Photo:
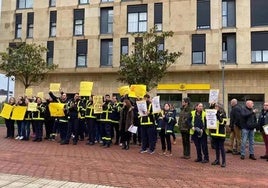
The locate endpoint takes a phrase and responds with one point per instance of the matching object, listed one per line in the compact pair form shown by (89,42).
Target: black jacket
(235,116)
(248,119)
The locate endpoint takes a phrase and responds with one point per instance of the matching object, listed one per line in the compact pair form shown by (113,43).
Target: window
(106,52)
(50,52)
(105,1)
(228,13)
(203,14)
(229,47)
(81,2)
(53,23)
(158,11)
(106,20)
(259,12)
(161,45)
(199,98)
(171,99)
(124,48)
(24,4)
(259,47)
(198,49)
(18,26)
(243,97)
(30,24)
(79,22)
(137,18)
(81,53)
(52,3)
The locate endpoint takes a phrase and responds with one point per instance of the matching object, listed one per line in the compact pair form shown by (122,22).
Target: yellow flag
(97,103)
(54,87)
(19,112)
(32,106)
(56,109)
(6,112)
(85,88)
(29,92)
(124,90)
(139,90)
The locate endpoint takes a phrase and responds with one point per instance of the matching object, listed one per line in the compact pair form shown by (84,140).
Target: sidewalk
(12,181)
(113,166)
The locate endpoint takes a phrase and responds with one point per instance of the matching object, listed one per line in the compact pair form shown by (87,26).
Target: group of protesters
(120,116)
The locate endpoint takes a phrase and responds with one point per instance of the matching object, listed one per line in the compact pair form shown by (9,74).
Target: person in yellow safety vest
(105,121)
(148,128)
(81,118)
(219,135)
(26,123)
(197,122)
(115,117)
(38,120)
(61,123)
(166,120)
(91,124)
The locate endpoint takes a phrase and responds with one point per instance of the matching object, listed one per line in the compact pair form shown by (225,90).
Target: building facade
(86,38)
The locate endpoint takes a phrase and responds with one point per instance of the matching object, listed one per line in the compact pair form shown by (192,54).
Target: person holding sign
(197,122)
(38,119)
(126,120)
(61,122)
(262,122)
(9,122)
(21,102)
(90,121)
(148,129)
(219,135)
(73,121)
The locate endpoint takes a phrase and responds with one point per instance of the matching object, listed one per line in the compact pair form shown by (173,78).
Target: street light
(223,62)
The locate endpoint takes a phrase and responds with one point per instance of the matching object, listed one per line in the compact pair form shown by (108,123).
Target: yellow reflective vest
(220,131)
(193,118)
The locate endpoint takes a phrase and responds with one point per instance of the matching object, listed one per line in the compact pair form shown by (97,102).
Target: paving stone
(93,166)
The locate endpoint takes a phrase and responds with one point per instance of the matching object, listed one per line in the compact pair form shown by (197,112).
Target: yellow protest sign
(56,109)
(41,95)
(124,90)
(6,112)
(54,87)
(132,94)
(19,112)
(139,90)
(32,106)
(29,92)
(85,88)
(97,103)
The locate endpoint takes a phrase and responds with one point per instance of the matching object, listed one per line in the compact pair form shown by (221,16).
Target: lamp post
(222,78)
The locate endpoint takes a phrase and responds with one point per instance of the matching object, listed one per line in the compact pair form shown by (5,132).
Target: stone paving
(12,181)
(113,166)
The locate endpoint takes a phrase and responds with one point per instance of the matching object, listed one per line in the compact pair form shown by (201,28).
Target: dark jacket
(184,114)
(126,118)
(235,116)
(262,120)
(248,119)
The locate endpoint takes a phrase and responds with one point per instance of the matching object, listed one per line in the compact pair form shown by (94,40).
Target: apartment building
(224,43)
